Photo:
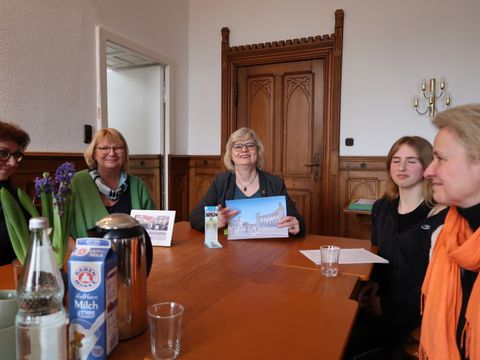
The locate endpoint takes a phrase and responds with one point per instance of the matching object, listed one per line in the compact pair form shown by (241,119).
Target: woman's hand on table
(292,223)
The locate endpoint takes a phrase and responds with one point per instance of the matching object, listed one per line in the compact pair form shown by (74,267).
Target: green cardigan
(88,207)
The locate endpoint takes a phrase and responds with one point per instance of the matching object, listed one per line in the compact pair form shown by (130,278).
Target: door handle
(314,165)
(315,161)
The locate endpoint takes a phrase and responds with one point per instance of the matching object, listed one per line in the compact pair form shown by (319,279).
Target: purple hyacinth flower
(43,184)
(63,177)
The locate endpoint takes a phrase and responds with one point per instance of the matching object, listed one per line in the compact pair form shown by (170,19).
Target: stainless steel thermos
(128,241)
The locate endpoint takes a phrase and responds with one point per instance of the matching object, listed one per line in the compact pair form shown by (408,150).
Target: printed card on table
(158,223)
(257,218)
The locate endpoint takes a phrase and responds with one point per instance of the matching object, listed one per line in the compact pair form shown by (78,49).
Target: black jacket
(223,188)
(407,251)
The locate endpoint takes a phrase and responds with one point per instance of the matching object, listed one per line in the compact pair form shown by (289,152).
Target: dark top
(404,240)
(472,215)
(7,255)
(223,188)
(238,194)
(124,206)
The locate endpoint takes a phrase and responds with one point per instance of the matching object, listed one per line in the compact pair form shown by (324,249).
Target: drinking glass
(165,320)
(329,260)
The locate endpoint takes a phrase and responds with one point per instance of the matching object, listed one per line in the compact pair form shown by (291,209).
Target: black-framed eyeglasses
(250,146)
(5,155)
(105,150)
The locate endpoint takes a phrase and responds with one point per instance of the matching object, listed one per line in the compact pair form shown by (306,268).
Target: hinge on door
(235,95)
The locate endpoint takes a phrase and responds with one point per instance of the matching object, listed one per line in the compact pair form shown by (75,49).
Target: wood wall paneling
(202,172)
(360,177)
(35,164)
(147,167)
(191,176)
(179,186)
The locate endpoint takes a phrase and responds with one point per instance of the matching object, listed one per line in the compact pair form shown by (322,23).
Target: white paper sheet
(348,256)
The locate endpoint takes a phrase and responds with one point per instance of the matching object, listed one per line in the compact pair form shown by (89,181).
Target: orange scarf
(457,246)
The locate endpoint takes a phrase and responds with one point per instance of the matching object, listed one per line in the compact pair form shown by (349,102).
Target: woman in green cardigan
(106,187)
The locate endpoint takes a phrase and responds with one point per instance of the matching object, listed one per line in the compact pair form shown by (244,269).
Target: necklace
(250,183)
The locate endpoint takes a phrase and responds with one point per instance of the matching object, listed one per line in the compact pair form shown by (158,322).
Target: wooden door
(283,104)
(289,92)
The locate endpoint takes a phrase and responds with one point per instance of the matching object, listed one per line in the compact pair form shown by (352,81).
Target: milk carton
(92,274)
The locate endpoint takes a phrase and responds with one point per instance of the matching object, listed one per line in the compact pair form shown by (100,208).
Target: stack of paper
(348,256)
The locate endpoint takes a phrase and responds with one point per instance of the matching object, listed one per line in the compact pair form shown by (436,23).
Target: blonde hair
(242,134)
(105,134)
(424,151)
(464,121)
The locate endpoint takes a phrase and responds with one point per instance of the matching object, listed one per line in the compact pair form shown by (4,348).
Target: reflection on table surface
(240,304)
(251,299)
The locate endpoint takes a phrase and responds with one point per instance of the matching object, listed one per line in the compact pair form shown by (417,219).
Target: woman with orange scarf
(451,289)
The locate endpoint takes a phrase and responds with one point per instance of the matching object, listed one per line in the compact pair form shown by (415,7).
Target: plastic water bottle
(41,318)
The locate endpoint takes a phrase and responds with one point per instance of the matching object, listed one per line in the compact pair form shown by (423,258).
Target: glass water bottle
(41,318)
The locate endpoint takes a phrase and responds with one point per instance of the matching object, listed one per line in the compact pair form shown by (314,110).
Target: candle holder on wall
(431,97)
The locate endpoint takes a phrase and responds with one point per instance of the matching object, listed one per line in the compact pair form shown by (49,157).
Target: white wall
(47,70)
(47,63)
(389,46)
(162,26)
(134,104)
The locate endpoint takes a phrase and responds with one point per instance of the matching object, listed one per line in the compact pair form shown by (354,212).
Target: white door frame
(102,37)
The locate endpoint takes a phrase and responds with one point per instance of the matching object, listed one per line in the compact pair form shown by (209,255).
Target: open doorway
(133,97)
(135,93)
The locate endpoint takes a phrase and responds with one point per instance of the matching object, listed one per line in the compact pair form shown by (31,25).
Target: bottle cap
(38,223)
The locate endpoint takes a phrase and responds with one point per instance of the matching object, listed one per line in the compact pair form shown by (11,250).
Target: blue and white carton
(92,274)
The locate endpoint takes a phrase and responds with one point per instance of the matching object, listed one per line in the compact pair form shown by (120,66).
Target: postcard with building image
(158,224)
(257,218)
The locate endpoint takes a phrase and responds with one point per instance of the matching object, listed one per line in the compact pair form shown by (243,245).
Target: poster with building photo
(257,218)
(158,223)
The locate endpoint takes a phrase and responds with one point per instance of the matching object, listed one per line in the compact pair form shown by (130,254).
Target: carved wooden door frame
(327,47)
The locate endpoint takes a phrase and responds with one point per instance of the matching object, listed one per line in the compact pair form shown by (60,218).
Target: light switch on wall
(87,134)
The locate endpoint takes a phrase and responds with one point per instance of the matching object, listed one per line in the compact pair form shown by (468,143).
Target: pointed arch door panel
(282,103)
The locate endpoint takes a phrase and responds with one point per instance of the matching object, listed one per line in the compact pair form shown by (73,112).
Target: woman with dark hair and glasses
(106,187)
(245,179)
(13,142)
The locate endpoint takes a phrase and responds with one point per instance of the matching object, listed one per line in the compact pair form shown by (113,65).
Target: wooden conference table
(251,299)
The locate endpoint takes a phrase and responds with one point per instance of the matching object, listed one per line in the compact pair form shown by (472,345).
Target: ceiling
(119,57)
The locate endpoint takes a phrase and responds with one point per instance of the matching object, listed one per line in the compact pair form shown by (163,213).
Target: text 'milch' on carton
(92,285)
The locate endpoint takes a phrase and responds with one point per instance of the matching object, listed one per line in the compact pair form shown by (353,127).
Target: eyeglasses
(5,155)
(239,146)
(105,150)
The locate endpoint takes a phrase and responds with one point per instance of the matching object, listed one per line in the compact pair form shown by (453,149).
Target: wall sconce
(432,97)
